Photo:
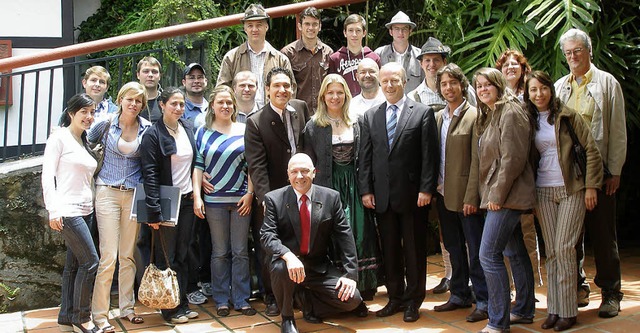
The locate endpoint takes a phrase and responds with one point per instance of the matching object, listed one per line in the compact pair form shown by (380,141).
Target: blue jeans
(229,256)
(503,235)
(80,269)
(461,236)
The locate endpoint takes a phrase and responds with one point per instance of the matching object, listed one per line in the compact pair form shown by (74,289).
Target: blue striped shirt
(222,157)
(118,168)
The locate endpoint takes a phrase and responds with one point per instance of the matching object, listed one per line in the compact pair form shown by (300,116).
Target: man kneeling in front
(300,222)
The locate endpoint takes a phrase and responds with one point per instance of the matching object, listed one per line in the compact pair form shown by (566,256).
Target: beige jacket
(461,160)
(608,125)
(505,174)
(593,177)
(238,59)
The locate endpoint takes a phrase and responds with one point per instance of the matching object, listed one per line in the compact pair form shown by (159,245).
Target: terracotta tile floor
(44,320)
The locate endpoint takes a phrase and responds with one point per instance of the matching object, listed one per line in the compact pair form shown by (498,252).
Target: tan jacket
(608,125)
(461,160)
(593,177)
(238,59)
(505,174)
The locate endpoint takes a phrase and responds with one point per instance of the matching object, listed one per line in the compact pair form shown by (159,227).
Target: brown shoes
(550,321)
(564,324)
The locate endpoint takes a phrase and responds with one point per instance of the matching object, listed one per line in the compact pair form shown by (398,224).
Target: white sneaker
(179,319)
(191,314)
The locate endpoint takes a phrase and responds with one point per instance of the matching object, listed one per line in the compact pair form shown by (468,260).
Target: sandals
(223,311)
(133,318)
(108,329)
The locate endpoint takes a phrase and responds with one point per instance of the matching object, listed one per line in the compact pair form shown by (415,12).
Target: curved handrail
(63,52)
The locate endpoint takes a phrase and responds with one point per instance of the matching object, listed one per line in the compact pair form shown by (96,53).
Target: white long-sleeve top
(67,175)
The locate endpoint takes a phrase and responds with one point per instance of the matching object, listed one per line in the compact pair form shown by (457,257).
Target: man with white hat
(257,55)
(401,51)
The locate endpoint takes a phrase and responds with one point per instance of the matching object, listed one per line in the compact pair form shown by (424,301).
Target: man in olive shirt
(309,58)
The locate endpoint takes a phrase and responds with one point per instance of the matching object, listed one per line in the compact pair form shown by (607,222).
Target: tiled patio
(44,320)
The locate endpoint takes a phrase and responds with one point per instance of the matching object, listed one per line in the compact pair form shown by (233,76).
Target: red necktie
(305,225)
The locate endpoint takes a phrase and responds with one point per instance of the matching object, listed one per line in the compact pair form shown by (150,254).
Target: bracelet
(249,192)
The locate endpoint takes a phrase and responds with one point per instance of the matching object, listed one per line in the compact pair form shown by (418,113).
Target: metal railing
(42,93)
(39,94)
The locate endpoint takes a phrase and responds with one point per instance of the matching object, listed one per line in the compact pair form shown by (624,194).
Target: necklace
(174,130)
(336,122)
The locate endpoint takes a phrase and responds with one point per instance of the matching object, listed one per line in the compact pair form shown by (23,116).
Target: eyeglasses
(575,52)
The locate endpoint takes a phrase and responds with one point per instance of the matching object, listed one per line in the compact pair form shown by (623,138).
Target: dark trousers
(459,234)
(199,255)
(404,252)
(177,240)
(320,291)
(601,225)
(262,264)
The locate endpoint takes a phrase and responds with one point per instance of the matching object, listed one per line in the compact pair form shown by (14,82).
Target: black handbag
(578,152)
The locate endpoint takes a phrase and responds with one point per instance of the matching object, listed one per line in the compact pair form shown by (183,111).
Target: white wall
(29,102)
(29,18)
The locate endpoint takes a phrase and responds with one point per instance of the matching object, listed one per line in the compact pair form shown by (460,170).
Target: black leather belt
(187,195)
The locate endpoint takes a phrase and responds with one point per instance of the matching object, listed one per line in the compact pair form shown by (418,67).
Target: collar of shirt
(299,46)
(277,110)
(585,79)
(299,195)
(399,104)
(264,49)
(456,112)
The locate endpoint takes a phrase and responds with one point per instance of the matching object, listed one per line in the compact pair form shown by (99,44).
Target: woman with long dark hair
(563,196)
(120,173)
(67,187)
(507,188)
(168,157)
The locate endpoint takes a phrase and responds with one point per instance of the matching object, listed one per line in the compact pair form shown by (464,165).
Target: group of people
(333,189)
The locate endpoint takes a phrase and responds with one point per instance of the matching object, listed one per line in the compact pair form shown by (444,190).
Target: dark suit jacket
(267,147)
(318,146)
(396,174)
(461,162)
(281,232)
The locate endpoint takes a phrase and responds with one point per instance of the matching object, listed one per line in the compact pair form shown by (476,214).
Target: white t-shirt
(67,176)
(549,172)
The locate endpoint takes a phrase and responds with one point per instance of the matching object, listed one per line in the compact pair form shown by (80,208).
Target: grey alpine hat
(434,46)
(255,12)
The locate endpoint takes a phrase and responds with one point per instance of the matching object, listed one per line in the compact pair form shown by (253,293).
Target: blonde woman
(120,173)
(332,140)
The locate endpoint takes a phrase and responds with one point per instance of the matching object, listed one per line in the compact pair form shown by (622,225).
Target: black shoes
(309,317)
(477,315)
(361,311)
(272,309)
(450,306)
(443,287)
(388,310)
(288,326)
(411,313)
